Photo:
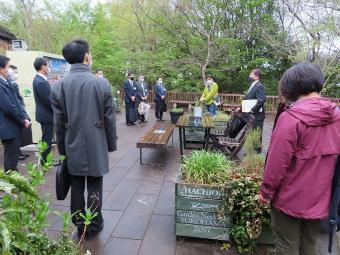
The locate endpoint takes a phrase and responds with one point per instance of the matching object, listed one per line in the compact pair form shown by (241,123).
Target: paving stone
(122,195)
(190,246)
(111,219)
(166,201)
(136,217)
(149,187)
(138,172)
(160,237)
(114,177)
(120,246)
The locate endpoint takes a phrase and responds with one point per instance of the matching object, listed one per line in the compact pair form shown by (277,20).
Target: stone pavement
(138,205)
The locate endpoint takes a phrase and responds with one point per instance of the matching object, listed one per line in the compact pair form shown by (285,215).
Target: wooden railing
(230,99)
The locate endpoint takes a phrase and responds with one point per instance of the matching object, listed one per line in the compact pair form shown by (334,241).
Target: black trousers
(94,199)
(127,112)
(47,135)
(158,111)
(258,124)
(11,153)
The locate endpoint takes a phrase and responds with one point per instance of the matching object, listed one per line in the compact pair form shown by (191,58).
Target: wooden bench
(156,137)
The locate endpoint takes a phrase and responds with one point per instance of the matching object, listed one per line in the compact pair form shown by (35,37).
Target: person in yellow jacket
(209,94)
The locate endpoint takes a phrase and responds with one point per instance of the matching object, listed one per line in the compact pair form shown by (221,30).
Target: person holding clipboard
(254,101)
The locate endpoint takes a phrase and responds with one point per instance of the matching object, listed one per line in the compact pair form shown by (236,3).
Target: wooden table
(156,137)
(186,121)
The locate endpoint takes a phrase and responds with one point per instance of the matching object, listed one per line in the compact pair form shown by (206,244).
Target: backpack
(334,211)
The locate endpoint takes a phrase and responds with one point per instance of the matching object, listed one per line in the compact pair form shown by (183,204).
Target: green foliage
(221,116)
(253,141)
(206,167)
(23,214)
(175,109)
(249,215)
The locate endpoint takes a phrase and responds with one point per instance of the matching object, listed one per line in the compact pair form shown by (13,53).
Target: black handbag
(133,113)
(164,107)
(62,175)
(62,181)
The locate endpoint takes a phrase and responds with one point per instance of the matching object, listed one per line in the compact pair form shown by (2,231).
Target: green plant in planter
(177,110)
(252,142)
(23,214)
(206,167)
(221,116)
(249,216)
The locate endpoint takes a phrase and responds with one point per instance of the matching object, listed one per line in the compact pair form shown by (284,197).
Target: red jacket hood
(315,111)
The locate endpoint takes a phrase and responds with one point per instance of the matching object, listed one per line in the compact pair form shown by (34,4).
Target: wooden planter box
(200,211)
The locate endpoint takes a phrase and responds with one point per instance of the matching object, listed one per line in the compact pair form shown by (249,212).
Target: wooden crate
(201,211)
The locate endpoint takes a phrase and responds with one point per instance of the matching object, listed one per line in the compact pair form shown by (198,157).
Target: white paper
(159,131)
(247,105)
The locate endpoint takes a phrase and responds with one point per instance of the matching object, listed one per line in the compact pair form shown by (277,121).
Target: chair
(234,136)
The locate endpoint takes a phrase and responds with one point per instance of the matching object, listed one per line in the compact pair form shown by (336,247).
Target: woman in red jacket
(301,160)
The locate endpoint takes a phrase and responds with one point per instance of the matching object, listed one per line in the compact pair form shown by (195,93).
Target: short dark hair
(4,61)
(74,51)
(301,79)
(257,72)
(210,76)
(99,70)
(39,62)
(13,67)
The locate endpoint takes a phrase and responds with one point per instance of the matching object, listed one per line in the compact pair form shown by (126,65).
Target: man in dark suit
(257,91)
(43,108)
(130,92)
(160,94)
(142,95)
(12,118)
(26,136)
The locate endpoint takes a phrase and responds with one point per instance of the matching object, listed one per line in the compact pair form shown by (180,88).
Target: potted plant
(251,219)
(175,113)
(220,121)
(201,193)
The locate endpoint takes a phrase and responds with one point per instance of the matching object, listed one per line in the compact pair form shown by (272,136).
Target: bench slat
(154,140)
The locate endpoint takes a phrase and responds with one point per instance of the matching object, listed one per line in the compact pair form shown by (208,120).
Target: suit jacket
(43,108)
(129,91)
(142,90)
(159,91)
(12,115)
(84,120)
(257,92)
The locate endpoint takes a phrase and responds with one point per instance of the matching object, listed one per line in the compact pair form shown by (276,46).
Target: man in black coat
(12,118)
(142,95)
(26,136)
(85,124)
(257,91)
(130,92)
(43,108)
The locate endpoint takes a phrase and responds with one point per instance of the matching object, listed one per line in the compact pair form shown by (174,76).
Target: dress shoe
(133,124)
(91,233)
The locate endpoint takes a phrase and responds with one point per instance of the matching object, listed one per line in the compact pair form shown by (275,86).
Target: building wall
(4,44)
(24,61)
